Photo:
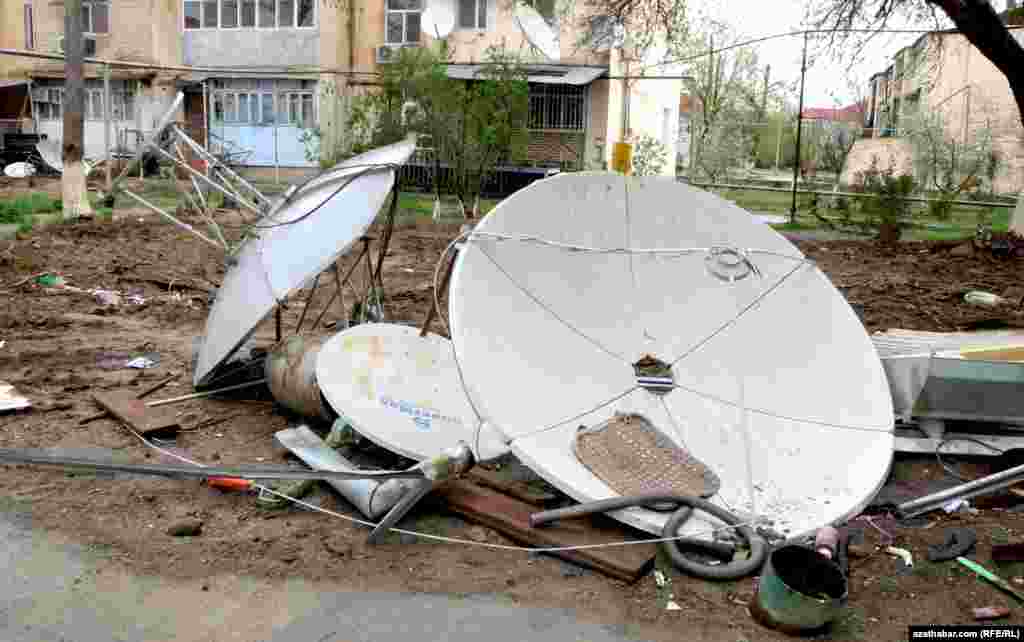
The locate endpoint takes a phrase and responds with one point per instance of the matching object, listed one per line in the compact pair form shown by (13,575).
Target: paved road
(56,591)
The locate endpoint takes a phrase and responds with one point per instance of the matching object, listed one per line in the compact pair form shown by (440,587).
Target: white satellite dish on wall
(438,19)
(538,32)
(773,384)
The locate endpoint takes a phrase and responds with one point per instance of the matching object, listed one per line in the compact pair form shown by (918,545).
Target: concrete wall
(653,111)
(252,47)
(894,150)
(12,36)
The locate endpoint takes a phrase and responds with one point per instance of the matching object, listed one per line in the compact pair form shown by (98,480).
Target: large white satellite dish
(538,32)
(438,19)
(401,391)
(297,240)
(547,334)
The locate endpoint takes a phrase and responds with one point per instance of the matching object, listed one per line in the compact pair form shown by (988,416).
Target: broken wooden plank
(125,406)
(511,517)
(517,489)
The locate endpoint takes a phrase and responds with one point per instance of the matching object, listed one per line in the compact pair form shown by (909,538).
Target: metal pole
(799,128)
(277,117)
(981,486)
(106,120)
(206,121)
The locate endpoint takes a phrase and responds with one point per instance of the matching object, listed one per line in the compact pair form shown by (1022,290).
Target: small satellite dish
(401,391)
(19,170)
(693,315)
(438,19)
(537,31)
(297,240)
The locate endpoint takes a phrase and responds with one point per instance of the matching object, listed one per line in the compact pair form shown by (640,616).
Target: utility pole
(73,186)
(107,104)
(799,128)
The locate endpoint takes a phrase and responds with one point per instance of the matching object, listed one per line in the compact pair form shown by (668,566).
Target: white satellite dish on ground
(774,384)
(538,32)
(438,19)
(20,170)
(49,151)
(297,240)
(401,391)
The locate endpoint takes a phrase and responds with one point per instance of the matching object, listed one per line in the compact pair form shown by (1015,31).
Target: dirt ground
(57,345)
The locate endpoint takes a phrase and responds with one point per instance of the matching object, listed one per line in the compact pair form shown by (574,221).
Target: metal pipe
(174,220)
(799,129)
(210,158)
(208,181)
(150,141)
(41,457)
(982,486)
(915,199)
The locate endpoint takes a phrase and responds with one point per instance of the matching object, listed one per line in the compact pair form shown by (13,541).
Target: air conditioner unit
(88,46)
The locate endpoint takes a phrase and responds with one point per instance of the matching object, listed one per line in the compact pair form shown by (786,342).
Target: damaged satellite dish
(537,31)
(297,240)
(438,19)
(747,360)
(401,391)
(49,151)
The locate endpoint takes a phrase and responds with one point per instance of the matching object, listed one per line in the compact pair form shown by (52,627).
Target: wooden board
(511,517)
(124,405)
(517,489)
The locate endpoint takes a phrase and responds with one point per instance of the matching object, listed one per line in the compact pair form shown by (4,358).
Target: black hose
(728,571)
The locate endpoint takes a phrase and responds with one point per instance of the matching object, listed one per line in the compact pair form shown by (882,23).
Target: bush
(886,208)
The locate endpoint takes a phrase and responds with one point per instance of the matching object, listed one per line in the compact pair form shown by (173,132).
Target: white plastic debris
(659,578)
(955,505)
(987,299)
(901,553)
(672,606)
(141,363)
(107,297)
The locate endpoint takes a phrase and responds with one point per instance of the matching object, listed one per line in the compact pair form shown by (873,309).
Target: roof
(540,74)
(850,113)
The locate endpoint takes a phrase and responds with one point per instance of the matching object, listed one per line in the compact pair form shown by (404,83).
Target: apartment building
(279,68)
(942,73)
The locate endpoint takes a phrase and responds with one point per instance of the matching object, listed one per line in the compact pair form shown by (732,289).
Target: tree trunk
(73,185)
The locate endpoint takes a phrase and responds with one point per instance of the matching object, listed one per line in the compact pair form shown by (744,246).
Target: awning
(4,84)
(540,74)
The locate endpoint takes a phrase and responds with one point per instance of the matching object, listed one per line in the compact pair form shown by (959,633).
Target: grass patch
(413,206)
(1000,535)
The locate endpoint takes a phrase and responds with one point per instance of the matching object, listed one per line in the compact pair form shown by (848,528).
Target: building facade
(280,69)
(944,74)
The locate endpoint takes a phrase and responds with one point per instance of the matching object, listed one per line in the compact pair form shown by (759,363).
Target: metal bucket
(799,591)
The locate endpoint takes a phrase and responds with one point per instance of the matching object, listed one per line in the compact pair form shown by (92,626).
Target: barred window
(557,107)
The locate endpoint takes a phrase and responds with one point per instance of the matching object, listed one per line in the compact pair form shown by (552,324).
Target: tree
(729,90)
(975,19)
(473,125)
(947,164)
(73,185)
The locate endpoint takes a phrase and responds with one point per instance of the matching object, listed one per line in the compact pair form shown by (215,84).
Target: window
(192,14)
(210,14)
(267,14)
(248,13)
(472,14)
(304,11)
(47,103)
(296,108)
(30,38)
(229,14)
(232,14)
(557,107)
(96,16)
(402,22)
(243,107)
(286,13)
